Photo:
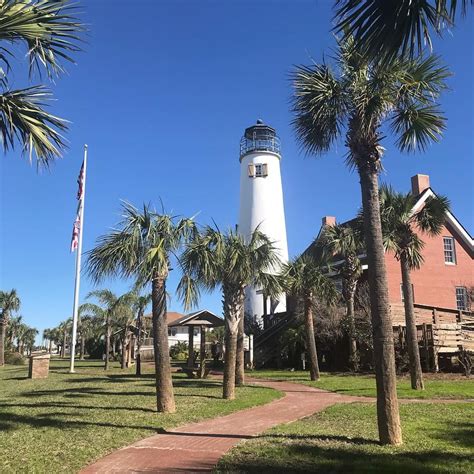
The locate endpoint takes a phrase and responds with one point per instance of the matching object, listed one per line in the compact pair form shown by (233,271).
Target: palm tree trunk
(416,373)
(123,363)
(3,329)
(240,361)
(233,307)
(164,384)
(50,348)
(83,344)
(230,358)
(107,342)
(310,339)
(388,418)
(353,353)
(63,348)
(138,370)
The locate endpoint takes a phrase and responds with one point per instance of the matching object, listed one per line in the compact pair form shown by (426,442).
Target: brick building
(447,275)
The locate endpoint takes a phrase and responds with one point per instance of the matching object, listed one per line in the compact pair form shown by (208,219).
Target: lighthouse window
(261,170)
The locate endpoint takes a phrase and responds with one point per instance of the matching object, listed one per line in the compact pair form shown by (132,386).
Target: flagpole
(78,266)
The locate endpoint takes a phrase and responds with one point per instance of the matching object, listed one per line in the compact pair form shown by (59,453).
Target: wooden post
(190,347)
(202,353)
(425,347)
(435,316)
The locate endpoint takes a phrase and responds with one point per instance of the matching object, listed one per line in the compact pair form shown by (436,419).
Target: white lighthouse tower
(261,204)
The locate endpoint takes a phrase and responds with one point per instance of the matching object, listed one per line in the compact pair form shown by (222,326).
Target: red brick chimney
(419,183)
(329,220)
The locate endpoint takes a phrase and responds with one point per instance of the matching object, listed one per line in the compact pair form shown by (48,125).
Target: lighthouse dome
(259,137)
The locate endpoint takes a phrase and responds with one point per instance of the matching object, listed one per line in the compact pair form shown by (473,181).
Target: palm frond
(24,119)
(417,126)
(188,292)
(319,105)
(384,29)
(50,30)
(432,216)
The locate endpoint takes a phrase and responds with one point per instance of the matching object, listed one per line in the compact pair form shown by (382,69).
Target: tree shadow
(81,391)
(301,457)
(325,438)
(10,422)
(60,404)
(457,433)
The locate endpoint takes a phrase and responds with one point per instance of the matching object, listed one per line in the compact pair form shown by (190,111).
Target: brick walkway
(197,447)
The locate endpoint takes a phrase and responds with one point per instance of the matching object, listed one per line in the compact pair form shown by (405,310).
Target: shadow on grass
(10,422)
(300,457)
(324,438)
(458,434)
(59,404)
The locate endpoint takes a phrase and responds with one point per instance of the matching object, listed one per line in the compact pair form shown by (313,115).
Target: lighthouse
(261,205)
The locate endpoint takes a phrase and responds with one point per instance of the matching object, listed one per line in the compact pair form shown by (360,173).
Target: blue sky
(162,94)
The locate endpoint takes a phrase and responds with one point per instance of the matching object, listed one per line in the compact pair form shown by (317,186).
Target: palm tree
(64,330)
(123,322)
(140,304)
(9,302)
(29,338)
(12,331)
(109,310)
(400,222)
(357,100)
(304,278)
(346,242)
(142,247)
(387,28)
(228,261)
(49,32)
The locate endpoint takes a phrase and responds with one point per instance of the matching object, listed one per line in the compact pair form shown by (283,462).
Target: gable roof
(454,223)
(198,318)
(171,316)
(459,229)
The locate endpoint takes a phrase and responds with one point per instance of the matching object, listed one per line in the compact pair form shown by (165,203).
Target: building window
(461,298)
(412,292)
(172,332)
(449,252)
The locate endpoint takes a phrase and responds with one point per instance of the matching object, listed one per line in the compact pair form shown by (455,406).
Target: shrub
(14,358)
(179,351)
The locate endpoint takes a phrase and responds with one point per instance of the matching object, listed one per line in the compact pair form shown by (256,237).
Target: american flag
(75,232)
(77,223)
(80,183)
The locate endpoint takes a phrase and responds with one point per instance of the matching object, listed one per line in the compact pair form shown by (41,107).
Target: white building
(261,205)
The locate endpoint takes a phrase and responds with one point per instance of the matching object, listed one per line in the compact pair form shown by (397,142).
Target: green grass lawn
(66,421)
(447,386)
(438,438)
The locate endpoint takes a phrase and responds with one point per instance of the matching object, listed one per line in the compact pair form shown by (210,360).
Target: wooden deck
(442,332)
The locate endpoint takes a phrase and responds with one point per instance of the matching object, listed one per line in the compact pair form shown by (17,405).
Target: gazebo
(203,319)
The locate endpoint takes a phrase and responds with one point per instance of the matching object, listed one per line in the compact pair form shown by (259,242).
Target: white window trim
(453,250)
(464,294)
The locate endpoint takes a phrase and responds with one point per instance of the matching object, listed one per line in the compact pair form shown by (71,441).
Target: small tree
(228,261)
(346,241)
(140,304)
(400,222)
(9,302)
(304,278)
(110,309)
(142,248)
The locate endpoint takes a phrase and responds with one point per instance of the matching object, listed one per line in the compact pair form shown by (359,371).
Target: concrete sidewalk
(197,447)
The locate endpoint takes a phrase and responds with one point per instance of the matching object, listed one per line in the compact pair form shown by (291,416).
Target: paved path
(197,447)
